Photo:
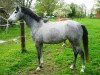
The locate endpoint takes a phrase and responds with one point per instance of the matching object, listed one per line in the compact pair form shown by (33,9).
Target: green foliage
(57,59)
(78,11)
(48,6)
(62,11)
(73,13)
(7,5)
(70,10)
(26,3)
(98,6)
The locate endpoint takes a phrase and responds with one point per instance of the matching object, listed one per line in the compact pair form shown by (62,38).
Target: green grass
(57,59)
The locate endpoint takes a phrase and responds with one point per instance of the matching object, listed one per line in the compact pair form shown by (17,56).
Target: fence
(22,35)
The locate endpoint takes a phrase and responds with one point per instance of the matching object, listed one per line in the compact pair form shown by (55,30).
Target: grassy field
(57,59)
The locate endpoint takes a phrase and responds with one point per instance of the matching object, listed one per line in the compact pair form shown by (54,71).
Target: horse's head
(16,15)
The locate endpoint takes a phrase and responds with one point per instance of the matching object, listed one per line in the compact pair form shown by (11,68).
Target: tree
(95,11)
(80,11)
(5,8)
(26,3)
(62,11)
(48,6)
(3,12)
(3,16)
(98,6)
(73,13)
(7,5)
(83,10)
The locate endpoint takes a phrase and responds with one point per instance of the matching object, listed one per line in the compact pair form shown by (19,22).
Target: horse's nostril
(9,21)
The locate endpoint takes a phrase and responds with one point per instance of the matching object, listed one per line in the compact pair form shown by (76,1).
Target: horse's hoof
(82,70)
(63,45)
(72,67)
(38,69)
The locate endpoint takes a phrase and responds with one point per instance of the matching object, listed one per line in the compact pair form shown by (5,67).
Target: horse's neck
(33,24)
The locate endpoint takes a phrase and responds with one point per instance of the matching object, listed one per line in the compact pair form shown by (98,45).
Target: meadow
(57,59)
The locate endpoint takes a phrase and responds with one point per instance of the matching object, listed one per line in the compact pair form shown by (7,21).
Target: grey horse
(53,33)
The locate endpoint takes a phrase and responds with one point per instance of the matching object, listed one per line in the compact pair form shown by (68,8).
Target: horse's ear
(17,8)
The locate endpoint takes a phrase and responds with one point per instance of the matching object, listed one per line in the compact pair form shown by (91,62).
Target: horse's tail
(85,42)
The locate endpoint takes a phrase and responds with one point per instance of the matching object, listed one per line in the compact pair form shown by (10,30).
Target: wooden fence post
(23,49)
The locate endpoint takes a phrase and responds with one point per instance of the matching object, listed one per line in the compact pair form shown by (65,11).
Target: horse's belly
(54,38)
(53,41)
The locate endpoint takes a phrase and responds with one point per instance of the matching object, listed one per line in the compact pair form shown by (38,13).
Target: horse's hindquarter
(75,31)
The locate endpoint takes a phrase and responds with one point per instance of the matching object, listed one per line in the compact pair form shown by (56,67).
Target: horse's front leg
(39,47)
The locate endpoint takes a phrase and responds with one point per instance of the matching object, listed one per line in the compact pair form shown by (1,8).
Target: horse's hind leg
(82,58)
(75,57)
(40,58)
(77,49)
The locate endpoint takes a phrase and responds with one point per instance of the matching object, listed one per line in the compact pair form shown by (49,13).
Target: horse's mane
(30,13)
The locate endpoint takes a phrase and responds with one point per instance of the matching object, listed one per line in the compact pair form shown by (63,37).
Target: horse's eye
(16,12)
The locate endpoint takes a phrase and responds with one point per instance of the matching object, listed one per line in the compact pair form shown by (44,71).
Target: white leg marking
(72,66)
(41,60)
(83,68)
(38,69)
(63,44)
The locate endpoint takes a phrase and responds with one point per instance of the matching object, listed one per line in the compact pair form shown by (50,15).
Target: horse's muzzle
(9,21)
